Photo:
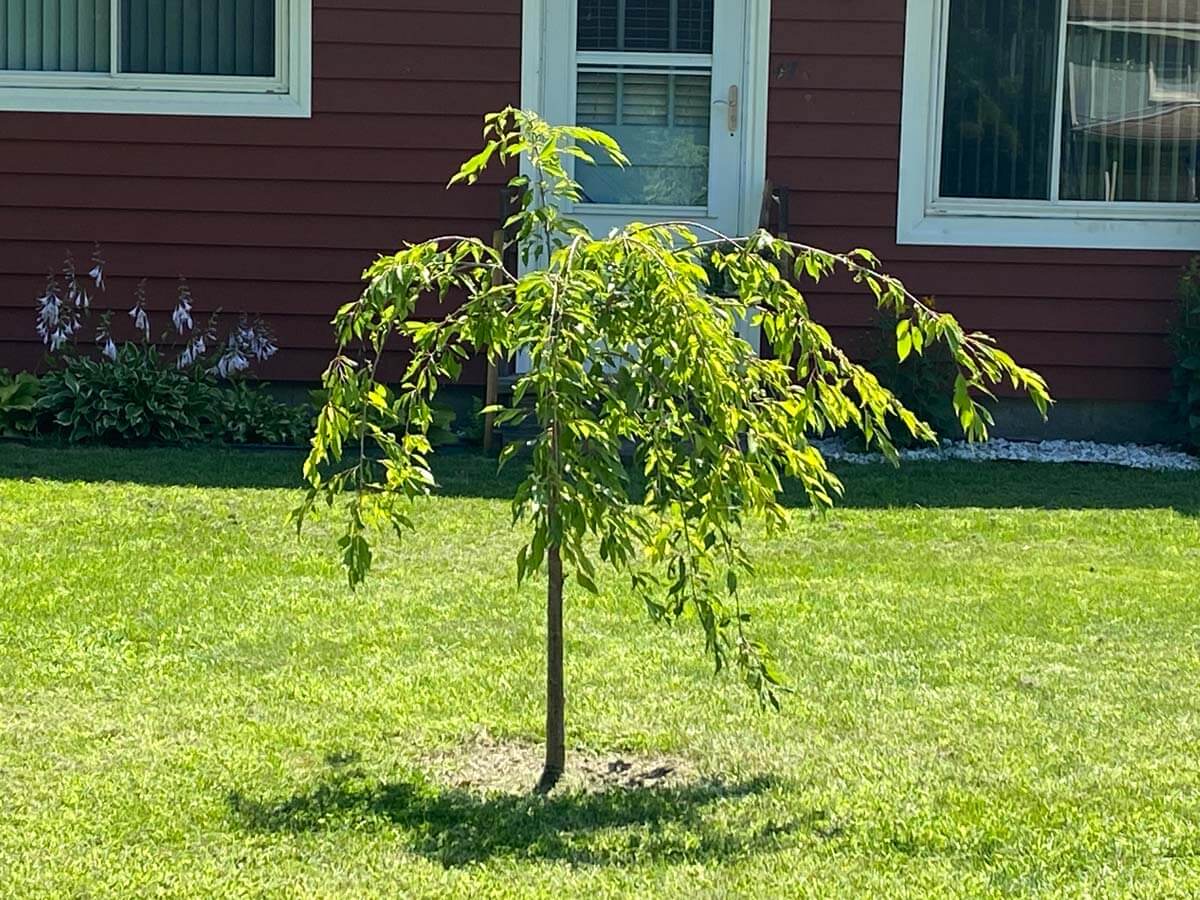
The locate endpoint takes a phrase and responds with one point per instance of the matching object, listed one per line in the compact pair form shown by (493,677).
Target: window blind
(645,25)
(662,122)
(55,35)
(198,37)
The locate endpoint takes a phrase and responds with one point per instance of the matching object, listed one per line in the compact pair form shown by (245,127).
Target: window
(218,57)
(1072,123)
(644,75)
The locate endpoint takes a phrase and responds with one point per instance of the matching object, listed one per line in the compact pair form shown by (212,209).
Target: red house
(1030,163)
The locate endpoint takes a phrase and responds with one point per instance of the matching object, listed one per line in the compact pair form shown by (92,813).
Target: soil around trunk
(484,764)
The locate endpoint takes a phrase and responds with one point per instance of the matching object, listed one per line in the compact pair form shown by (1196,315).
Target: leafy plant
(923,382)
(135,397)
(627,345)
(248,414)
(18,403)
(127,389)
(1185,341)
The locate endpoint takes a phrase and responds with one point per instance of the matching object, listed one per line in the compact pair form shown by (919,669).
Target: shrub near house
(189,386)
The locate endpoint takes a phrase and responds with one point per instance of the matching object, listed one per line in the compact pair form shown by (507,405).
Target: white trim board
(286,96)
(923,218)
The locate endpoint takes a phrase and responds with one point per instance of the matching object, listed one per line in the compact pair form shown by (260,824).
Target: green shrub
(247,414)
(923,382)
(1185,341)
(18,403)
(137,396)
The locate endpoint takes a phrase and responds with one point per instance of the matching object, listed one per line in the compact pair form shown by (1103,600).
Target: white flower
(141,320)
(192,352)
(109,350)
(97,276)
(182,316)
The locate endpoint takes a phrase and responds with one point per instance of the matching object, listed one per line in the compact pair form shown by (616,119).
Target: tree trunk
(556,736)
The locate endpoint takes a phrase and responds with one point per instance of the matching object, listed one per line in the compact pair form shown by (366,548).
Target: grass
(996,672)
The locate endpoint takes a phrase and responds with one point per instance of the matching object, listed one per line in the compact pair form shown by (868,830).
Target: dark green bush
(136,397)
(924,382)
(247,414)
(1185,341)
(18,403)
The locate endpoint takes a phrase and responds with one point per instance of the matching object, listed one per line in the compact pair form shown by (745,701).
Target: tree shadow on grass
(1012,485)
(468,473)
(460,471)
(456,827)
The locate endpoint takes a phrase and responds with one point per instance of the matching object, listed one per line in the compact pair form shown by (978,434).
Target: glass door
(663,77)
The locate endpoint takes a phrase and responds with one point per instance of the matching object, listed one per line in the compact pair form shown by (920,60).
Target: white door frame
(752,171)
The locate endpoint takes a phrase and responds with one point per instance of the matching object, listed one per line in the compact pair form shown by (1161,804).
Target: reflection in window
(999,110)
(1130,92)
(661,121)
(1132,101)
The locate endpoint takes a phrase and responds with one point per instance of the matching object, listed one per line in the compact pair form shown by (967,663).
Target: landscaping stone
(1132,456)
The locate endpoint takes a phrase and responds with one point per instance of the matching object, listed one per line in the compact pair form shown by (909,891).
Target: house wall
(280,216)
(277,216)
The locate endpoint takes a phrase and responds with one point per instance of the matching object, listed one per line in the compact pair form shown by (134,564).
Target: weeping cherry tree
(658,432)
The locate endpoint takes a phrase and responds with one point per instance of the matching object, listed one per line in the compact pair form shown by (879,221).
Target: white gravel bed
(1131,456)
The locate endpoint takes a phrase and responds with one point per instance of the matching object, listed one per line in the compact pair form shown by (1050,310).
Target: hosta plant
(133,398)
(248,414)
(18,403)
(112,380)
(625,345)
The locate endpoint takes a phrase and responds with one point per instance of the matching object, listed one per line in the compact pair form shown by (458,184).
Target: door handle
(732,111)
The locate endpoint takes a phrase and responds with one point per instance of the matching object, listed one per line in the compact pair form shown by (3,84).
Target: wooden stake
(491,393)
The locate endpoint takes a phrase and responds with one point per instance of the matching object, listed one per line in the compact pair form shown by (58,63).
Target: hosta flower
(250,342)
(182,315)
(97,271)
(104,340)
(232,362)
(194,350)
(56,321)
(141,318)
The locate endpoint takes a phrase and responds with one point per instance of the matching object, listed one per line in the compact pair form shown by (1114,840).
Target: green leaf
(904,339)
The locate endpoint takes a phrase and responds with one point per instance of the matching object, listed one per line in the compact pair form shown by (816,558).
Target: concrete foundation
(1078,420)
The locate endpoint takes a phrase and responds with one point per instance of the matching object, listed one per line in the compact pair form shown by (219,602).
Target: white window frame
(287,95)
(925,218)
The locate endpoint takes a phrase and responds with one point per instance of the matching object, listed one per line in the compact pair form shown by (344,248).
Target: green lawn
(997,674)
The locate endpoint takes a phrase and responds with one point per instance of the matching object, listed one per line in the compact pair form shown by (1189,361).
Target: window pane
(1132,105)
(54,35)
(685,26)
(661,120)
(1002,60)
(198,37)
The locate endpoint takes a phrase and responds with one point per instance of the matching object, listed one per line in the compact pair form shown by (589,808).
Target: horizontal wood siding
(274,216)
(1093,322)
(280,216)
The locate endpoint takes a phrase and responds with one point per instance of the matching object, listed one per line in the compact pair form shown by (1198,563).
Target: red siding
(280,216)
(277,216)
